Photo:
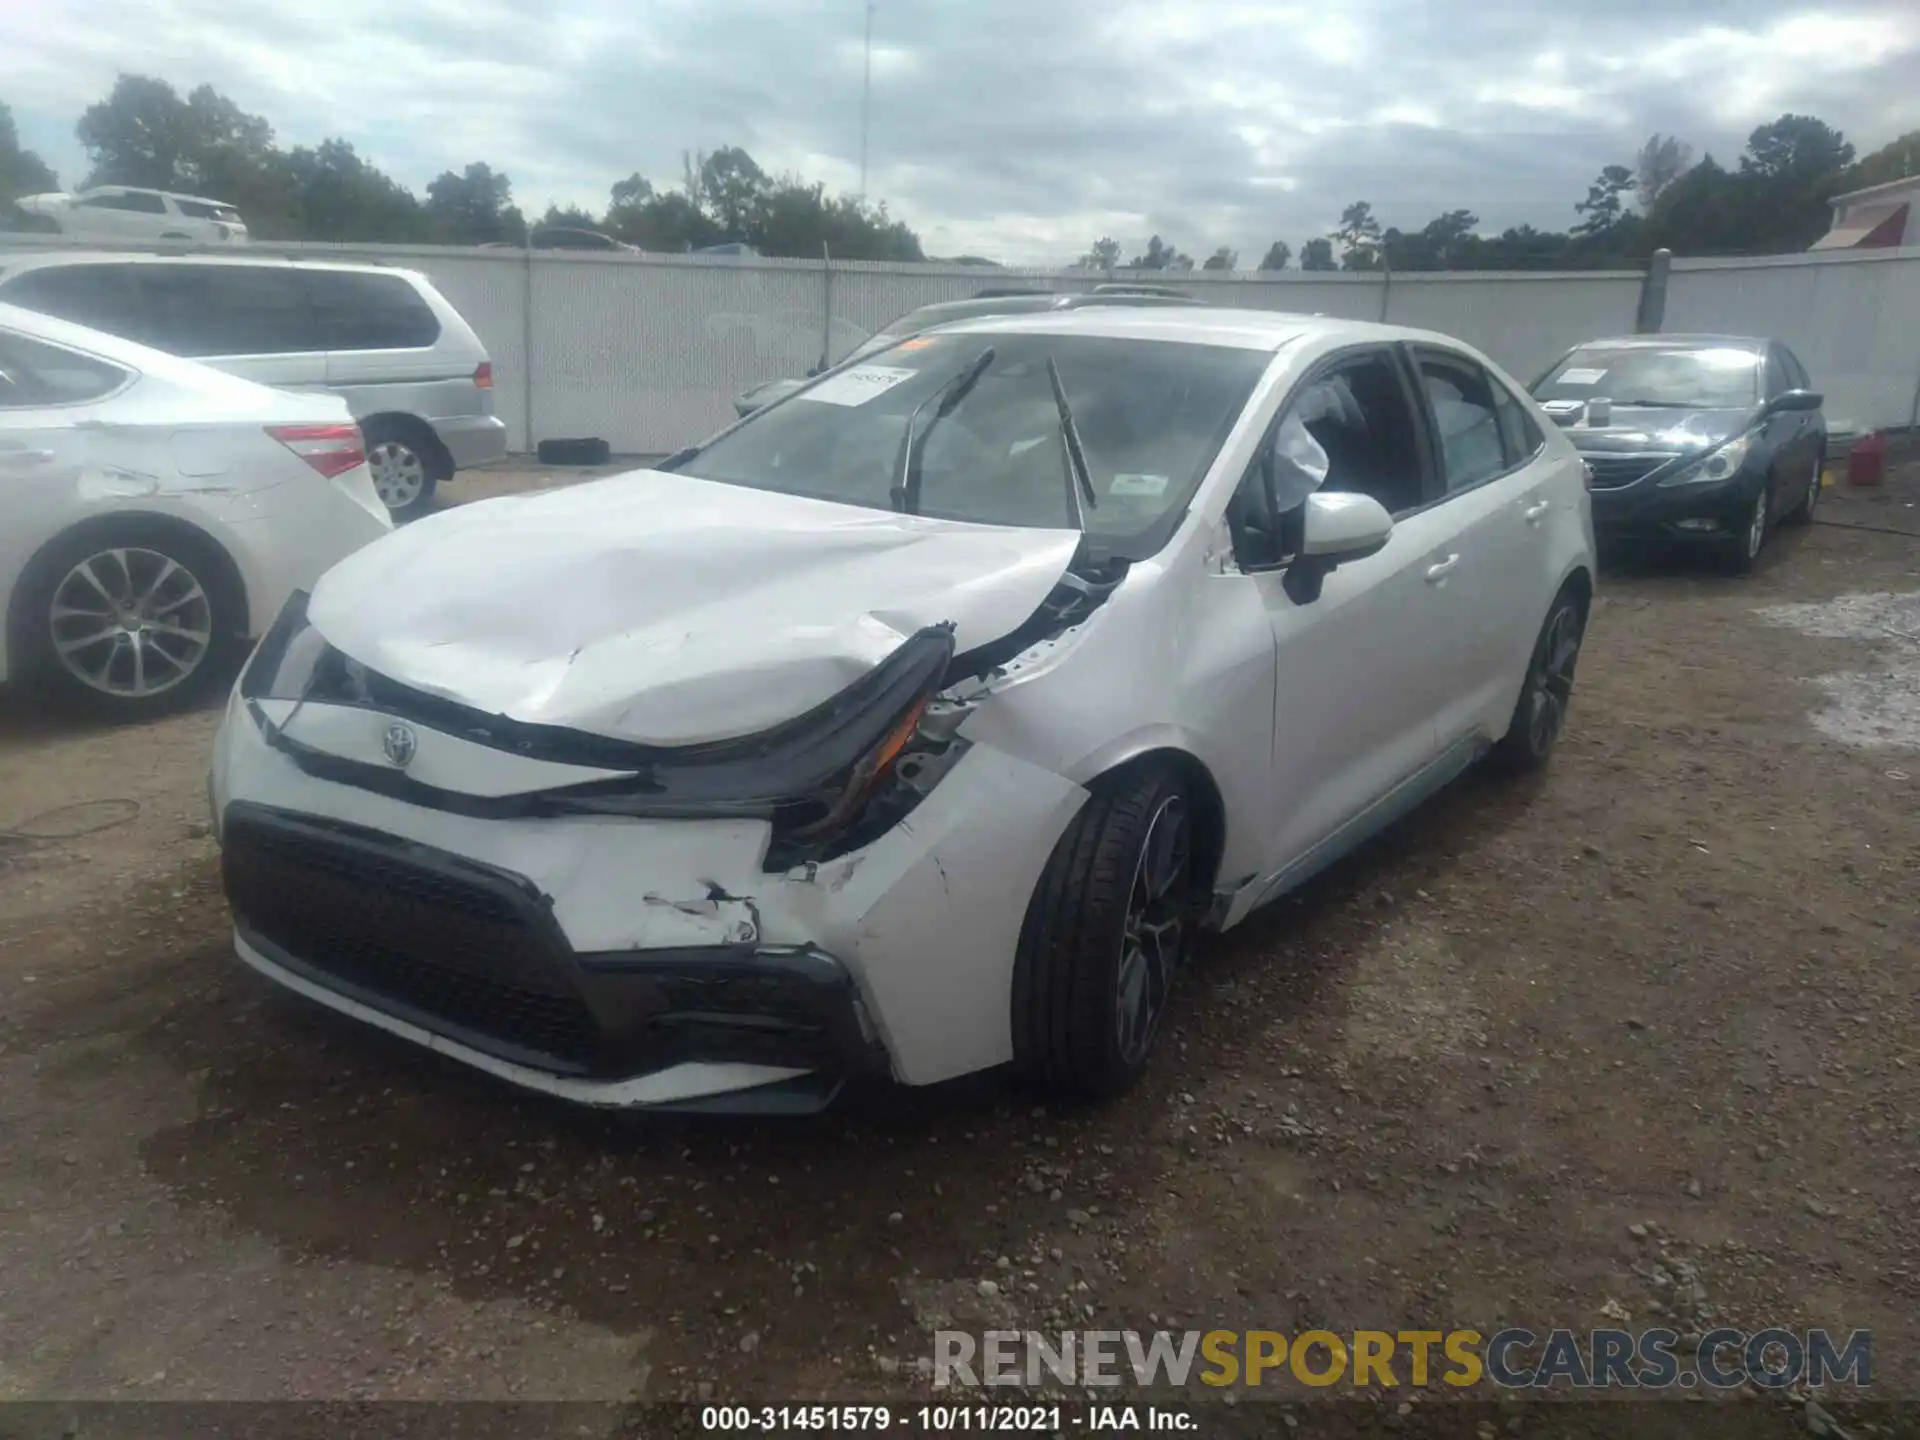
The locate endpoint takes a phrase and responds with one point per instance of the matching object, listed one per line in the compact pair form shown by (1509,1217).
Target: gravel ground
(1639,1039)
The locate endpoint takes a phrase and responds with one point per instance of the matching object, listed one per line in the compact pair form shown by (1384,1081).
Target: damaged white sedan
(913,725)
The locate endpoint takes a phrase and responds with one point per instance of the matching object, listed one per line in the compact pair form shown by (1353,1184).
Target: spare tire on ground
(573,452)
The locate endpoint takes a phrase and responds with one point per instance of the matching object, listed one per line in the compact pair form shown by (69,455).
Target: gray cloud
(1019,130)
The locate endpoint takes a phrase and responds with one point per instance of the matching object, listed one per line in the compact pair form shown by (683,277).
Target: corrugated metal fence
(648,351)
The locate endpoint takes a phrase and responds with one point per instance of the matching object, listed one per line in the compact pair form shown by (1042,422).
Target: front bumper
(472,439)
(636,962)
(1646,511)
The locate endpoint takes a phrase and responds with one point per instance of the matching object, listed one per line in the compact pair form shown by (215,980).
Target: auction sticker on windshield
(1581,377)
(858,385)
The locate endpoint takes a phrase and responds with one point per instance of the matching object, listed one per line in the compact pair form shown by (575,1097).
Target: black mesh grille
(452,949)
(1612,471)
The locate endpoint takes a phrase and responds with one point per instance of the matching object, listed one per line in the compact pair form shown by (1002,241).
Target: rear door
(46,392)
(1496,503)
(249,320)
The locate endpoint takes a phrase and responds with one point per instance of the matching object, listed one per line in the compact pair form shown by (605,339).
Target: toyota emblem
(399,742)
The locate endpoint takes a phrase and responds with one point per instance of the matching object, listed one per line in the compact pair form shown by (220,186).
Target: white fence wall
(648,351)
(1852,318)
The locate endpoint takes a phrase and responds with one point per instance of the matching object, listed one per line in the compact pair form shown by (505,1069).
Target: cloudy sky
(1019,129)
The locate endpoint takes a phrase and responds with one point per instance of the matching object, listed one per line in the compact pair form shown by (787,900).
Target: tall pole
(866,99)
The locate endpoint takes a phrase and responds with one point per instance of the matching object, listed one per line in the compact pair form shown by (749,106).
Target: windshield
(1151,416)
(1701,378)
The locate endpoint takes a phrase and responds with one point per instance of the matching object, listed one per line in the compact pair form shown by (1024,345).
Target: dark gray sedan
(1707,439)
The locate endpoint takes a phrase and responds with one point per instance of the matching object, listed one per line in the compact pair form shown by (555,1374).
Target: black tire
(163,601)
(407,467)
(1540,714)
(1802,513)
(573,452)
(1740,555)
(1108,923)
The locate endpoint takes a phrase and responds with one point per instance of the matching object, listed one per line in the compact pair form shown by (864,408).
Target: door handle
(1440,570)
(1534,514)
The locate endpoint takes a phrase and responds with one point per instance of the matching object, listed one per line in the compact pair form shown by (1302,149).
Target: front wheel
(1541,712)
(1104,936)
(1802,512)
(1742,553)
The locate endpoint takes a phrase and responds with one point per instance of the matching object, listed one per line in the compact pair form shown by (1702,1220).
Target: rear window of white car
(34,373)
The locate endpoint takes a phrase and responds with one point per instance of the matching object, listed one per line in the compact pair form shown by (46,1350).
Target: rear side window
(99,296)
(144,204)
(34,373)
(357,311)
(1461,398)
(201,210)
(199,310)
(1519,432)
(1797,376)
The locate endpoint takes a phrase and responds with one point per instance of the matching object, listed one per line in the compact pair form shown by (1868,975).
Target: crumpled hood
(666,610)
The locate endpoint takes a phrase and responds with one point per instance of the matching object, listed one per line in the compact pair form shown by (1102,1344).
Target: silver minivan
(412,371)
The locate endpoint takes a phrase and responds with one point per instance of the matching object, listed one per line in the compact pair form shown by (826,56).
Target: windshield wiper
(1079,480)
(906,492)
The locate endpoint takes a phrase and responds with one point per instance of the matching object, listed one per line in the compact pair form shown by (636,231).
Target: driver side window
(1357,415)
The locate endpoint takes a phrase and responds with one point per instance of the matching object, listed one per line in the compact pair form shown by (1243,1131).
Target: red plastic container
(1867,461)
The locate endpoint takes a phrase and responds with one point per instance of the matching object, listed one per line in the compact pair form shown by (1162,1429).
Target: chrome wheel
(399,475)
(1151,941)
(1813,488)
(1757,526)
(130,622)
(1550,685)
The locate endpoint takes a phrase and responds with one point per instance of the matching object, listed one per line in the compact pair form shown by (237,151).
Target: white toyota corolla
(914,724)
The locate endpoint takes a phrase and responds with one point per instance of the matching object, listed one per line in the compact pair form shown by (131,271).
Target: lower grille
(1610,472)
(453,949)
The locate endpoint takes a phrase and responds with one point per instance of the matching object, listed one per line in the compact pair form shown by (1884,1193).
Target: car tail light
(483,375)
(330,449)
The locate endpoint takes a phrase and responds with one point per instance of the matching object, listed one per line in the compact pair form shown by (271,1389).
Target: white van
(416,377)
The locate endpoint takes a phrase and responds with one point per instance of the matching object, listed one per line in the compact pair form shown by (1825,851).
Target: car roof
(1202,325)
(11,264)
(144,190)
(1678,341)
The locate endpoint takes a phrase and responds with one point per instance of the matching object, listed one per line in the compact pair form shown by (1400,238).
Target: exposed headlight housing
(828,781)
(1721,463)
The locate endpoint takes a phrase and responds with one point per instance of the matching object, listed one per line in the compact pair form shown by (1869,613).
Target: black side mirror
(1795,400)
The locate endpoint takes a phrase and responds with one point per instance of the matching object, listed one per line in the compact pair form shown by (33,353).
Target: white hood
(667,610)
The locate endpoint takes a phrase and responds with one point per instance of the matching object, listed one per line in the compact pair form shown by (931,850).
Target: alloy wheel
(1757,526)
(1550,685)
(399,475)
(1813,488)
(1151,941)
(131,622)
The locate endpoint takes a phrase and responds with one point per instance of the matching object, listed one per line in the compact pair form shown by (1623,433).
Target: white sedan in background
(913,724)
(152,508)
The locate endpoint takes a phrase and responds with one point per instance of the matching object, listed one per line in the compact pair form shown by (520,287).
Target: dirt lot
(1670,986)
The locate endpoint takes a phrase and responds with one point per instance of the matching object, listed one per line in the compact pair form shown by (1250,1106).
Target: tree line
(1772,201)
(145,133)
